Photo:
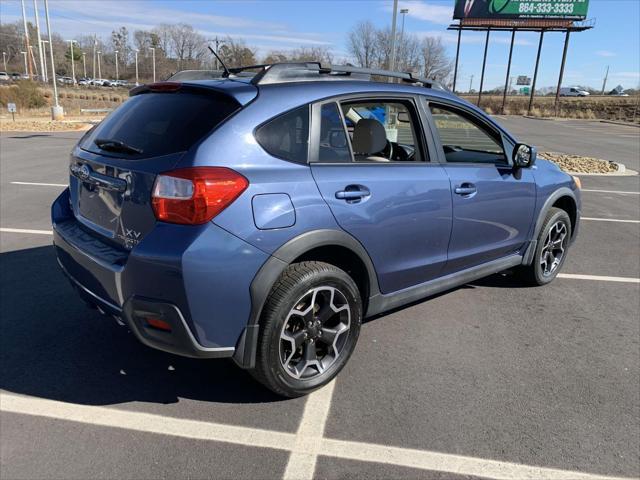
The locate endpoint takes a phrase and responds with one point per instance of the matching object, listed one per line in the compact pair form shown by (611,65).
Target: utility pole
(392,62)
(40,53)
(44,56)
(117,74)
(56,111)
(26,70)
(136,51)
(26,37)
(84,64)
(4,60)
(73,63)
(99,69)
(32,58)
(471,84)
(604,83)
(153,58)
(95,44)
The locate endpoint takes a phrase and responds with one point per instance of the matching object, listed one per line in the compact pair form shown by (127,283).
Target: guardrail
(96,110)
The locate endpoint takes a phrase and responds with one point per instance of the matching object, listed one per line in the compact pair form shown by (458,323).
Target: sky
(287,24)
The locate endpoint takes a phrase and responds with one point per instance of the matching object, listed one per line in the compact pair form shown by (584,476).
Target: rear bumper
(134,313)
(192,279)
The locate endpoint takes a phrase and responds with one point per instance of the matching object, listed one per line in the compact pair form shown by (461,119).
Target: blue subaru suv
(263,217)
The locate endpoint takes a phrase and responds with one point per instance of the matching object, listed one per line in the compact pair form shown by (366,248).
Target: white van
(573,92)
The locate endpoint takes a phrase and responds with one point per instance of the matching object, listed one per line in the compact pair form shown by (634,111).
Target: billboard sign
(510,9)
(523,80)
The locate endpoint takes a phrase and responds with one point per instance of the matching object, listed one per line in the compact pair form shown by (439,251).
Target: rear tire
(308,329)
(551,250)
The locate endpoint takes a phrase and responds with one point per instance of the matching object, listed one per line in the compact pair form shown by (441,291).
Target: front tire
(551,250)
(308,329)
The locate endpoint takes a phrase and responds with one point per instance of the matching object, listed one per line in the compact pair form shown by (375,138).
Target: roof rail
(313,71)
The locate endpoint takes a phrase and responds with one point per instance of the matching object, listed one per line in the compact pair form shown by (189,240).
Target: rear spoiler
(241,92)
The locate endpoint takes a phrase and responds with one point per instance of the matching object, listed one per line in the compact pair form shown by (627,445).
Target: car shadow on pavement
(52,346)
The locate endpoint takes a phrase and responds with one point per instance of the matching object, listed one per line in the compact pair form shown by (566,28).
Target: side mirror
(337,139)
(524,156)
(403,117)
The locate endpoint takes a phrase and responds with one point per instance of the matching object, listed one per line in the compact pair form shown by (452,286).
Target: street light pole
(4,60)
(43,69)
(137,67)
(73,64)
(153,57)
(404,12)
(26,37)
(117,74)
(56,111)
(44,57)
(84,64)
(99,69)
(392,62)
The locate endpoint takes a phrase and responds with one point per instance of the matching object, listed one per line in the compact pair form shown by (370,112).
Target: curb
(626,124)
(623,171)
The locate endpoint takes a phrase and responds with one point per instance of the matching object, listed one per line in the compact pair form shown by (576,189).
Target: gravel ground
(579,164)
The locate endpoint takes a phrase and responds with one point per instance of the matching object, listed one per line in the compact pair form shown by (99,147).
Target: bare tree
(236,53)
(363,44)
(312,54)
(436,64)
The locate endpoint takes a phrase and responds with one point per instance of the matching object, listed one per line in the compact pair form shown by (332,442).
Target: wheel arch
(563,198)
(332,246)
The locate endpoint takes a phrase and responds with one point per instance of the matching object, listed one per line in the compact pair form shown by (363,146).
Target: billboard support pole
(535,73)
(484,64)
(506,80)
(455,69)
(564,59)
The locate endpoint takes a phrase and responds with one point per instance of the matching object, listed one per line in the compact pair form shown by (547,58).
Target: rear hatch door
(114,166)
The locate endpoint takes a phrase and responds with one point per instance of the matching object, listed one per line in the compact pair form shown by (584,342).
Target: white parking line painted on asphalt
(591,219)
(41,184)
(610,191)
(598,278)
(299,443)
(302,462)
(26,230)
(146,422)
(443,462)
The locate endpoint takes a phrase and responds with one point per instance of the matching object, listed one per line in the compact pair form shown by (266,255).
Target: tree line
(181,47)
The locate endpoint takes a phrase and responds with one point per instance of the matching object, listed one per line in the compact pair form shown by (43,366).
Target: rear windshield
(160,123)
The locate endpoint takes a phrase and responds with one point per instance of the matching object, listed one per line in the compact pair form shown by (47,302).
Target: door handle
(353,193)
(466,189)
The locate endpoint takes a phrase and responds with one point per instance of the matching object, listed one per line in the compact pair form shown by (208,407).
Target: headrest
(369,136)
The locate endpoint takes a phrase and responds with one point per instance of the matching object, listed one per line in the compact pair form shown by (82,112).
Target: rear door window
(161,123)
(287,136)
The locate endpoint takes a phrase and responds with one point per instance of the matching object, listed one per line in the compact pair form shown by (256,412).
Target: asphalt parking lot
(490,380)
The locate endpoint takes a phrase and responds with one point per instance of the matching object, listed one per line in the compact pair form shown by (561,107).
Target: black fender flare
(551,199)
(245,353)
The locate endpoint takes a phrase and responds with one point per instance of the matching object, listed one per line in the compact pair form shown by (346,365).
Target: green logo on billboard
(497,6)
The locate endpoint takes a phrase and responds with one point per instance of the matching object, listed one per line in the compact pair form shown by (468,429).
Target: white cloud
(440,14)
(471,38)
(606,53)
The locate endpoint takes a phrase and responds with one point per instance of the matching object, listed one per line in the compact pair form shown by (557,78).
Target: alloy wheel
(315,332)
(554,248)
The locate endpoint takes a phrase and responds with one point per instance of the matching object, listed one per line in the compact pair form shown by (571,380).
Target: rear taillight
(193,196)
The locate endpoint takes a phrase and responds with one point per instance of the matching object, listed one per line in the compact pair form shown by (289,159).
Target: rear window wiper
(116,146)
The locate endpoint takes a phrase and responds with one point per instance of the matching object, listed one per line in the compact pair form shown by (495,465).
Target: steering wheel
(387,151)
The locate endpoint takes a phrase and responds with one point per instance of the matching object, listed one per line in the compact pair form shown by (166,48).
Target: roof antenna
(226,70)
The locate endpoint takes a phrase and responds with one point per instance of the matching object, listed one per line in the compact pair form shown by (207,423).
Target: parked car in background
(100,82)
(4,77)
(16,76)
(66,80)
(573,92)
(84,81)
(264,218)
